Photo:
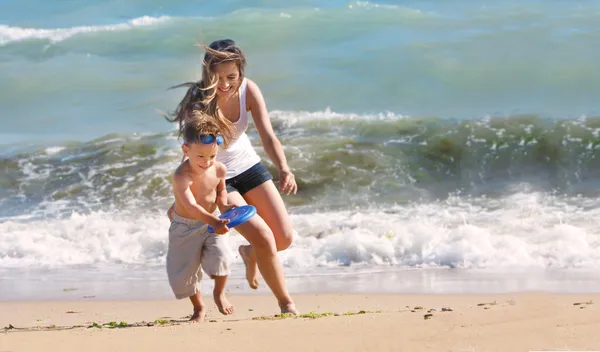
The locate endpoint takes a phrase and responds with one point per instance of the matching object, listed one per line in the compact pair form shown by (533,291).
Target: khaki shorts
(192,248)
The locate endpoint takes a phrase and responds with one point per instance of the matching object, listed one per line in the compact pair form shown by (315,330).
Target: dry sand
(371,322)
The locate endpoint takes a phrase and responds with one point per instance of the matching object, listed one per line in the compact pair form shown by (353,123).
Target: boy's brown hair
(200,123)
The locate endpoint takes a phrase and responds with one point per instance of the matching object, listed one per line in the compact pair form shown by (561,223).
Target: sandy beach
(330,322)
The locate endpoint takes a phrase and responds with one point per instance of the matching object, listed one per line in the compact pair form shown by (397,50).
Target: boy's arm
(222,202)
(221,194)
(184,194)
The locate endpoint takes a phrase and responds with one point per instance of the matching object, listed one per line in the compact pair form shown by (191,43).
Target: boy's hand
(220,226)
(227,207)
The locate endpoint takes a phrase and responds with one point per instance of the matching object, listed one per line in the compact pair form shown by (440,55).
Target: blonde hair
(202,95)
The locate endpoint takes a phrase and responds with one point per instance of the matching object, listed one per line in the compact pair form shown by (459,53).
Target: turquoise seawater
(423,133)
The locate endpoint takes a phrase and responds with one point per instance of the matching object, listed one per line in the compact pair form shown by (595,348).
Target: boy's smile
(201,156)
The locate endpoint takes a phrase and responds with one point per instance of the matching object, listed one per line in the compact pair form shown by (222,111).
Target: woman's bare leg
(269,205)
(257,232)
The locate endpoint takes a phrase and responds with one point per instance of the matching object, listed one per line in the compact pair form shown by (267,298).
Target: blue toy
(237,216)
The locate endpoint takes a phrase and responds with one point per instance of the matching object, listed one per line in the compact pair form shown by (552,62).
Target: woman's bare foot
(251,268)
(198,315)
(289,308)
(223,304)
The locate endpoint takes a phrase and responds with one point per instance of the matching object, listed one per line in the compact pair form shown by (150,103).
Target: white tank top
(239,155)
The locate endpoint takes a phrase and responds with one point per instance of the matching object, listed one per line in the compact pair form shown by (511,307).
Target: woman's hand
(287,182)
(170,212)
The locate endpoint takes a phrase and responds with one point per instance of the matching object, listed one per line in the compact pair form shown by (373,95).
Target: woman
(228,95)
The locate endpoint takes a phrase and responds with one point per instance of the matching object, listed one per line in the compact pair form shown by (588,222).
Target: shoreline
(73,285)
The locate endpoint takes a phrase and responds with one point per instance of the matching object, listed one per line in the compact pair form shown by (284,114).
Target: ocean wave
(340,160)
(525,230)
(10,34)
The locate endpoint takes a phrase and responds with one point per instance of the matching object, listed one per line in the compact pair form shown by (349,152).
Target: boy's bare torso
(202,185)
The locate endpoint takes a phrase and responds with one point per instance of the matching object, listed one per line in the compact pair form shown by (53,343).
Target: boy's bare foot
(198,315)
(223,304)
(251,268)
(289,308)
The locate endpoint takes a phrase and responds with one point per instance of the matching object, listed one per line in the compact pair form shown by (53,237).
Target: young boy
(199,188)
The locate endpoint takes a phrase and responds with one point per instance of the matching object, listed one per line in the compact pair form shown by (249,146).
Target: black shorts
(247,180)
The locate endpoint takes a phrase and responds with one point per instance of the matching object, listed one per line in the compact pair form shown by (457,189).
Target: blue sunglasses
(209,139)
